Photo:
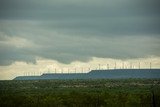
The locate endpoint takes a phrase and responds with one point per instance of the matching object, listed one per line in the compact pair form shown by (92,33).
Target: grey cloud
(104,17)
(10,54)
(38,9)
(67,48)
(79,29)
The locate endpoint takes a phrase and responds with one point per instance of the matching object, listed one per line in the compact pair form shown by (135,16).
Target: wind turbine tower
(150,65)
(55,70)
(122,65)
(115,66)
(75,70)
(131,65)
(139,65)
(108,66)
(99,66)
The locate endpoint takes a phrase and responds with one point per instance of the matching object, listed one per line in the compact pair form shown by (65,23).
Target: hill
(98,74)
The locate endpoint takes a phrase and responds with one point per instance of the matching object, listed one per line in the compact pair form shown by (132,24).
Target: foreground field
(81,93)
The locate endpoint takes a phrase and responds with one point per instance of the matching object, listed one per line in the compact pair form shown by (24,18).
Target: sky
(38,36)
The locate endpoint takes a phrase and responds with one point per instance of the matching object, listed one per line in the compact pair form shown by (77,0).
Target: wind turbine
(99,66)
(55,70)
(75,70)
(139,65)
(131,65)
(89,68)
(48,70)
(108,66)
(115,66)
(150,65)
(123,65)
(62,71)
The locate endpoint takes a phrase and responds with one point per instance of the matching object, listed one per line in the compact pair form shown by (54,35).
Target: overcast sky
(78,30)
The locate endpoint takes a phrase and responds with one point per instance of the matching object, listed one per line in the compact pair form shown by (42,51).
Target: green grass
(80,93)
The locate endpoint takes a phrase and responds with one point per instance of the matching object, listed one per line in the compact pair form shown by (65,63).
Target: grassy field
(81,93)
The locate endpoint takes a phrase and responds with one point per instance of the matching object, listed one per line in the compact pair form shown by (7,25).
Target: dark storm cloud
(69,30)
(112,17)
(10,54)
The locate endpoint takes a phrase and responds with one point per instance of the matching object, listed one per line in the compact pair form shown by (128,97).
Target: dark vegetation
(81,93)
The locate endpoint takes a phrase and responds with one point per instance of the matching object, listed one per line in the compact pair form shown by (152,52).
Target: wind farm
(99,73)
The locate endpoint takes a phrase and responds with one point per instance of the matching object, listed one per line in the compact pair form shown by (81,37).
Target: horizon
(99,67)
(96,74)
(65,34)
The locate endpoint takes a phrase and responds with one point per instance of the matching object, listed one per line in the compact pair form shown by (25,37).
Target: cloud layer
(73,30)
